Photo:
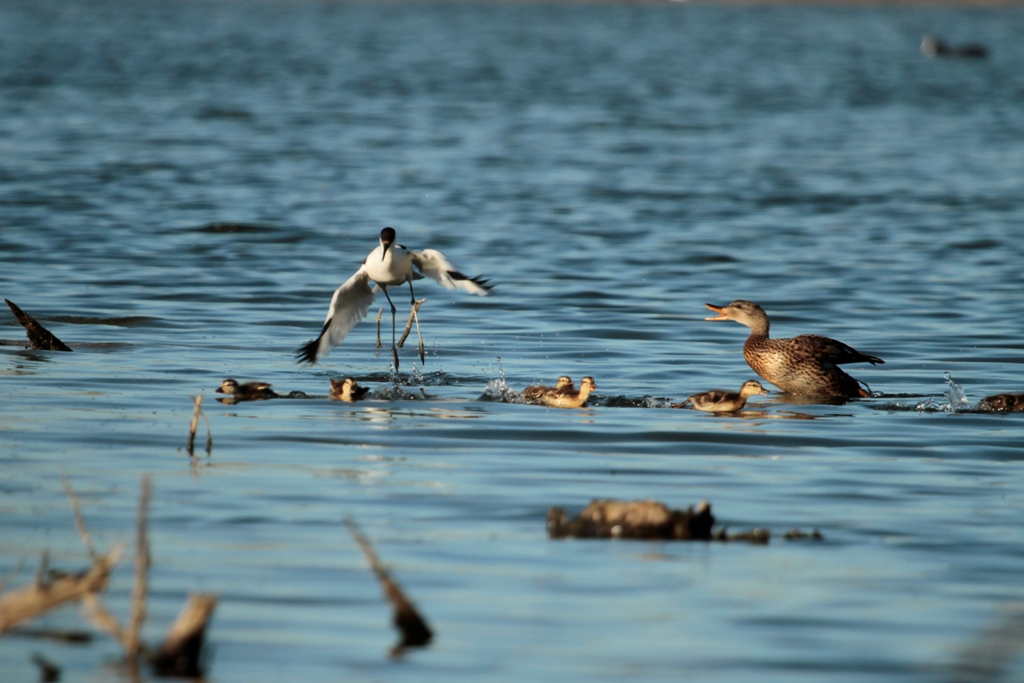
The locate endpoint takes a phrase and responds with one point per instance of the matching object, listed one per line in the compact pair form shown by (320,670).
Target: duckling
(564,385)
(720,401)
(347,390)
(569,399)
(250,391)
(807,364)
(1009,403)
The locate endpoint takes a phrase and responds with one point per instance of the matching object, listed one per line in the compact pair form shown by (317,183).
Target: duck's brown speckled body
(1007,403)
(807,365)
(721,401)
(347,390)
(560,398)
(532,393)
(250,391)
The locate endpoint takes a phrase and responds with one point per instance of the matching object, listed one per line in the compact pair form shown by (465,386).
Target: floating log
(180,653)
(38,336)
(633,519)
(52,589)
(412,627)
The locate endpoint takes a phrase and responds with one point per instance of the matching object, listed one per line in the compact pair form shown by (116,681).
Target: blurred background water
(183,185)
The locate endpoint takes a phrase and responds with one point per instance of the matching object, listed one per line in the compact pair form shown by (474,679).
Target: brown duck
(1009,403)
(808,364)
(720,401)
(557,398)
(532,393)
(347,390)
(250,391)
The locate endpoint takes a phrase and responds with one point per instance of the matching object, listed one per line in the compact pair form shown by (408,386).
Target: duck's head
(752,388)
(564,382)
(387,238)
(588,384)
(744,312)
(341,386)
(228,386)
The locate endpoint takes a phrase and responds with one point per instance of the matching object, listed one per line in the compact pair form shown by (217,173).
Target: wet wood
(633,519)
(38,336)
(180,653)
(379,312)
(53,588)
(408,324)
(411,625)
(48,671)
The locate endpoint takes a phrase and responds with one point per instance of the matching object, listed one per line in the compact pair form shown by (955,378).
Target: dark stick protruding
(412,626)
(38,336)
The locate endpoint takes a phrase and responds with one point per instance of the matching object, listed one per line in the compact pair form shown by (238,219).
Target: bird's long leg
(394,347)
(379,311)
(415,316)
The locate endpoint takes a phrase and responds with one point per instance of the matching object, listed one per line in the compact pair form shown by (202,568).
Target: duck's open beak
(717,309)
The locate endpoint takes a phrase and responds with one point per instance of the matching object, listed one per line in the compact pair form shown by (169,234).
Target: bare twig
(96,613)
(179,654)
(76,510)
(39,597)
(194,424)
(379,312)
(408,325)
(142,561)
(407,619)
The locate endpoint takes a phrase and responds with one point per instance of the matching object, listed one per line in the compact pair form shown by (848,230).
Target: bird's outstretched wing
(349,305)
(438,268)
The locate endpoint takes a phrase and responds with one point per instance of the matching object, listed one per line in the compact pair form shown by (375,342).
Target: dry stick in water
(196,414)
(413,628)
(179,654)
(379,311)
(142,561)
(408,327)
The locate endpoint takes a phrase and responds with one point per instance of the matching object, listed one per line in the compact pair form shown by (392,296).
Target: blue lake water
(183,185)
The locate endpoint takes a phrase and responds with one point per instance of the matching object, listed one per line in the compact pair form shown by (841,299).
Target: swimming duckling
(1008,403)
(935,47)
(807,364)
(569,399)
(250,391)
(720,401)
(533,393)
(347,390)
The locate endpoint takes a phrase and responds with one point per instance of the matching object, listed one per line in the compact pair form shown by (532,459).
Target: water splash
(955,399)
(498,390)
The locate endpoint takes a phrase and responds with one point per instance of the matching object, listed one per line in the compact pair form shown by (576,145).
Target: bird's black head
(387,238)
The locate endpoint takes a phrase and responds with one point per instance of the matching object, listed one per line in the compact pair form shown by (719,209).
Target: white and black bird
(389,265)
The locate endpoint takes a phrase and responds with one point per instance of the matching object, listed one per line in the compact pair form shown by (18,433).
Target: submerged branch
(38,336)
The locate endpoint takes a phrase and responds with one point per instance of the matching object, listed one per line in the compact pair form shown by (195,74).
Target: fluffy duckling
(720,401)
(347,390)
(1009,403)
(569,399)
(250,391)
(807,364)
(533,393)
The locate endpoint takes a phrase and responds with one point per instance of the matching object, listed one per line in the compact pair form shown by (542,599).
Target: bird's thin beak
(385,252)
(717,309)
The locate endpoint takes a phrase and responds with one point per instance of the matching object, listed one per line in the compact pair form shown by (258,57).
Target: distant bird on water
(807,364)
(534,392)
(1008,403)
(933,47)
(720,401)
(388,265)
(250,391)
(567,397)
